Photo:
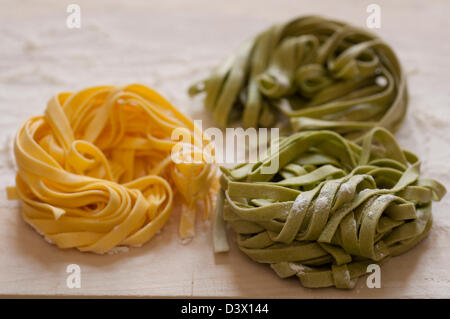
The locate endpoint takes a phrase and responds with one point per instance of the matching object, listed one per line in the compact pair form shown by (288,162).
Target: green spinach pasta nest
(332,208)
(319,73)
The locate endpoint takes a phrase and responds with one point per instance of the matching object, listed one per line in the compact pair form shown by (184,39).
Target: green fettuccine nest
(319,73)
(332,208)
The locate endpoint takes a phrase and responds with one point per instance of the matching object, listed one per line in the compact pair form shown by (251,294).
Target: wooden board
(167,45)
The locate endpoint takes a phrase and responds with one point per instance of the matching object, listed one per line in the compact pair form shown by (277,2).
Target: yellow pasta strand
(96,171)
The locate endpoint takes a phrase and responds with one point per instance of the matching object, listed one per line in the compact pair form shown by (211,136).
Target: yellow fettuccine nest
(97,171)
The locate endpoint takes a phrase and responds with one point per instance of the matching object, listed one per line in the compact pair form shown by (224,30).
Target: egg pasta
(96,171)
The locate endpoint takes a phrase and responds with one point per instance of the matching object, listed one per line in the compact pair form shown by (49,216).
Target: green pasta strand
(332,208)
(320,74)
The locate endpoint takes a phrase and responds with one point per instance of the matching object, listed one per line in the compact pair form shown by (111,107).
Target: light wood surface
(167,45)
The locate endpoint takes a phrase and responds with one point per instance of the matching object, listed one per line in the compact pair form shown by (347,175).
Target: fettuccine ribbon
(331,209)
(96,171)
(319,73)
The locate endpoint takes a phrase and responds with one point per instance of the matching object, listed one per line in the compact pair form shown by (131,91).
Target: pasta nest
(97,170)
(319,73)
(332,208)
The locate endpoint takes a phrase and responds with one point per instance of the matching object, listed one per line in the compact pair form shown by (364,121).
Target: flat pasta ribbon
(319,73)
(96,171)
(331,209)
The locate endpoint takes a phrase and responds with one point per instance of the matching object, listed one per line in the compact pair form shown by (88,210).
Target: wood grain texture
(167,45)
